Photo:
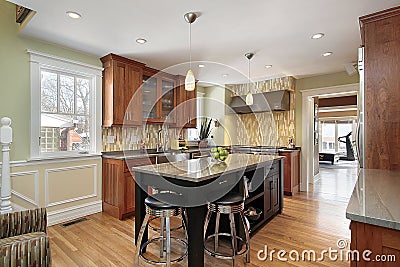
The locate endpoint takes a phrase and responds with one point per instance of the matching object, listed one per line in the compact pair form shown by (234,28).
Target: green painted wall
(214,107)
(327,80)
(15,76)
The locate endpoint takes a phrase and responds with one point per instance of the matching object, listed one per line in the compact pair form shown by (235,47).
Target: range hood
(263,102)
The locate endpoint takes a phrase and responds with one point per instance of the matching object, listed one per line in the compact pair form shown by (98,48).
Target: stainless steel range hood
(263,102)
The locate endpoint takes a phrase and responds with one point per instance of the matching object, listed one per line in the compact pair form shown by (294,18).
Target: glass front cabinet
(159,97)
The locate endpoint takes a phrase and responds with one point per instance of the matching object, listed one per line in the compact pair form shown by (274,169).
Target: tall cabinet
(380,33)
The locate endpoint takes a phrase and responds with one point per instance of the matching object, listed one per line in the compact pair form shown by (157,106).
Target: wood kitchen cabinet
(291,172)
(159,96)
(122,79)
(268,196)
(380,34)
(379,240)
(119,186)
(186,105)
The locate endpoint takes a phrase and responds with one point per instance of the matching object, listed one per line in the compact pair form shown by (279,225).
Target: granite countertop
(197,170)
(375,199)
(137,154)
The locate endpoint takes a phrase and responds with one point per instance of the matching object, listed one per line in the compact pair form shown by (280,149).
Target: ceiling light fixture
(190,81)
(268,66)
(73,15)
(327,54)
(317,36)
(141,41)
(225,75)
(249,96)
(201,66)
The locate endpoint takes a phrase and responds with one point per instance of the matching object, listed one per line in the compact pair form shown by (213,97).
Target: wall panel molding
(46,186)
(35,173)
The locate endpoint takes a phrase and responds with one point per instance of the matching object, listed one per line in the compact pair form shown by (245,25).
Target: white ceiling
(278,31)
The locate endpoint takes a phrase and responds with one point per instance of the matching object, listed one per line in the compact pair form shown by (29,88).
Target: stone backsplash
(130,138)
(267,129)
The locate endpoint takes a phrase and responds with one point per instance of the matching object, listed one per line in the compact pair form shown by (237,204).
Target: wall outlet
(110,139)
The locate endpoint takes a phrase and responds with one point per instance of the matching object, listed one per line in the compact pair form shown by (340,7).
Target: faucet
(158,146)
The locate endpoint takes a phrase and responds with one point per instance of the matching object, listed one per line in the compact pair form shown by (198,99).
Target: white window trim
(39,60)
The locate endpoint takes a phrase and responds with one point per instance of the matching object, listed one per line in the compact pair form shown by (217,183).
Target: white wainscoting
(48,202)
(71,213)
(35,200)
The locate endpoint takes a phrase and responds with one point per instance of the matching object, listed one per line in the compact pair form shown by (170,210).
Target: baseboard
(61,216)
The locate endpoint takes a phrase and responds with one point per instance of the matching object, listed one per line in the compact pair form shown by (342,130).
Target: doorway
(310,130)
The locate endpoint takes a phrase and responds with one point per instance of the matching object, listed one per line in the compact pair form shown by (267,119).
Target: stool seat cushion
(155,204)
(230,199)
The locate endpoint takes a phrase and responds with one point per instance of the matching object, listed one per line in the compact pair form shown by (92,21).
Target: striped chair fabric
(23,239)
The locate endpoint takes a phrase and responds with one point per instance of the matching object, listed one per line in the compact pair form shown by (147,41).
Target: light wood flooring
(308,222)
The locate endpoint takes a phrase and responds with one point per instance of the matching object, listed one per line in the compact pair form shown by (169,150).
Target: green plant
(205,129)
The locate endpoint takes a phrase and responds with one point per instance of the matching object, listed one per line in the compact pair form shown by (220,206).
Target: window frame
(40,61)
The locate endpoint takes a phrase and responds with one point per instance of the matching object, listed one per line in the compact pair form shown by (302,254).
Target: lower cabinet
(291,182)
(384,243)
(267,197)
(119,186)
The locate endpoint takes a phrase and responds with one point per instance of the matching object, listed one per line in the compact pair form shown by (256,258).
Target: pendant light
(190,81)
(249,96)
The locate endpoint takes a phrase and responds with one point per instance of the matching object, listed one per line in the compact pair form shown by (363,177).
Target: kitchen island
(197,182)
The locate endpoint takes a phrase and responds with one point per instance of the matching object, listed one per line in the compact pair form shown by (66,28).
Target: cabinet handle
(271,184)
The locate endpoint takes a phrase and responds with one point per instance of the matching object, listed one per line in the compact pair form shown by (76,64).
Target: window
(65,112)
(65,104)
(330,133)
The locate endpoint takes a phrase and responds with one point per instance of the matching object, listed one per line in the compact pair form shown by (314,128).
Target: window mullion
(58,93)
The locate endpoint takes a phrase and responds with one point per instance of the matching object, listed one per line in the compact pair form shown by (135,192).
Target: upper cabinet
(134,94)
(381,38)
(186,105)
(159,96)
(122,79)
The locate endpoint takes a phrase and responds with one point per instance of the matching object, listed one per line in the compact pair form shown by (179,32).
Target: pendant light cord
(248,86)
(190,45)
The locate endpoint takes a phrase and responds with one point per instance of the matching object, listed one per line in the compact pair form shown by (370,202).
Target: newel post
(5,140)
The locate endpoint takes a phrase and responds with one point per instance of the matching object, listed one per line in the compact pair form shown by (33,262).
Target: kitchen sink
(165,157)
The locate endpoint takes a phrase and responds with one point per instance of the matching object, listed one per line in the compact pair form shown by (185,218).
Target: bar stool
(164,211)
(230,205)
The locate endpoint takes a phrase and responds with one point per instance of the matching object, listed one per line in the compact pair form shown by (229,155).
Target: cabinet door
(181,113)
(268,202)
(133,96)
(149,94)
(129,193)
(119,104)
(191,108)
(275,193)
(167,100)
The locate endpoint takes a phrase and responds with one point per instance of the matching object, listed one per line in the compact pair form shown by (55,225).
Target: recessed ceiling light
(225,75)
(317,36)
(141,41)
(268,66)
(73,15)
(201,66)
(327,54)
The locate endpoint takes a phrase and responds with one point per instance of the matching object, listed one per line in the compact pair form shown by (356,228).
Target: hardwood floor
(308,222)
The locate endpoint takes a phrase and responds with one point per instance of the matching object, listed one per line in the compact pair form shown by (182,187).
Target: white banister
(5,141)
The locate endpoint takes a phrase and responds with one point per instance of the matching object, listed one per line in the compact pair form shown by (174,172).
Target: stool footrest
(181,258)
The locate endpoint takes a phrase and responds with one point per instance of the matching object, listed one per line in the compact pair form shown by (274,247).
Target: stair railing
(5,141)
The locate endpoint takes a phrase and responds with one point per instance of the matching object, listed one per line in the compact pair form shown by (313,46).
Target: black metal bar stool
(230,205)
(163,211)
